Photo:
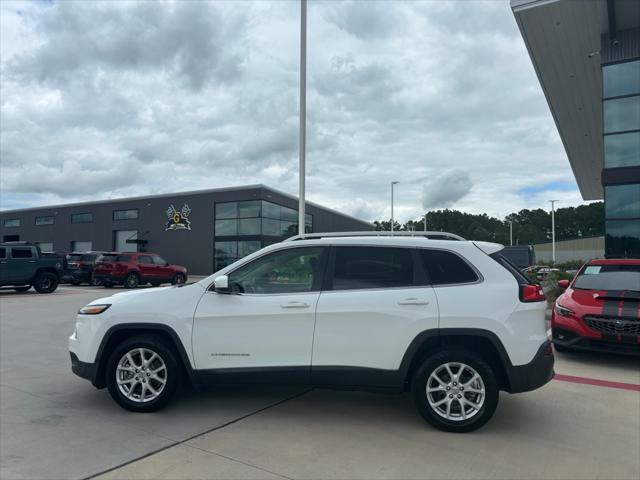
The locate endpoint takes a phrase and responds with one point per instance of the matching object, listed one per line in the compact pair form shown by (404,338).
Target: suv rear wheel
(178,279)
(142,373)
(131,280)
(455,391)
(46,282)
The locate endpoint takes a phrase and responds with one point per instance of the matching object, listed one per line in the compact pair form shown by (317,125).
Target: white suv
(449,319)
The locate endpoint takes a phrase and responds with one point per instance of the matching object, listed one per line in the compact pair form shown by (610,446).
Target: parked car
(452,321)
(80,267)
(522,256)
(543,272)
(133,269)
(600,308)
(23,265)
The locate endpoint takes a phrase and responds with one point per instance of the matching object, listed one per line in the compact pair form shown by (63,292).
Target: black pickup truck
(23,265)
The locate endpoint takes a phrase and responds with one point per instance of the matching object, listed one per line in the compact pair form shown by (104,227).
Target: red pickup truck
(132,269)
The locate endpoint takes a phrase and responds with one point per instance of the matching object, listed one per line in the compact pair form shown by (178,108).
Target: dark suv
(132,269)
(80,267)
(23,265)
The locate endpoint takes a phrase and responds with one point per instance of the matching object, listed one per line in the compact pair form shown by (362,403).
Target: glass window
(45,246)
(21,252)
(12,222)
(622,114)
(622,238)
(82,218)
(226,249)
(249,226)
(48,220)
(609,277)
(372,267)
(226,227)
(248,247)
(145,260)
(79,246)
(3,252)
(123,258)
(227,210)
(125,214)
(271,227)
(288,229)
(89,257)
(270,210)
(621,79)
(158,260)
(446,268)
(249,209)
(622,150)
(622,201)
(105,257)
(287,271)
(308,219)
(289,214)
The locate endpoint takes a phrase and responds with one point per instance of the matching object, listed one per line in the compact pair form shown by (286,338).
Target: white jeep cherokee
(449,319)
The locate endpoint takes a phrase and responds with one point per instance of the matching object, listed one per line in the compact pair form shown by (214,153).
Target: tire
(131,280)
(470,364)
(22,289)
(178,279)
(128,395)
(46,282)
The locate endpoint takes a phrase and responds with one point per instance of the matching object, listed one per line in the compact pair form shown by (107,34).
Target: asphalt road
(54,425)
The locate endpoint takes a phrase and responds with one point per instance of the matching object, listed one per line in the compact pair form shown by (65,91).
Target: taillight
(80,264)
(531,293)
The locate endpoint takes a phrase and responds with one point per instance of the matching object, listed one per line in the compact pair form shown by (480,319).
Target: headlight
(564,311)
(93,309)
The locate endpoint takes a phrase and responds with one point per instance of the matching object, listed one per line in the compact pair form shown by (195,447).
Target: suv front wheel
(142,373)
(455,391)
(46,282)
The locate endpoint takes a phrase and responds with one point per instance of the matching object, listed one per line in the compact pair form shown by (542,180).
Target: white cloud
(130,95)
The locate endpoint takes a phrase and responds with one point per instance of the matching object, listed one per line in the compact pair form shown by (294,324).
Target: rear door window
(18,252)
(145,260)
(372,267)
(446,268)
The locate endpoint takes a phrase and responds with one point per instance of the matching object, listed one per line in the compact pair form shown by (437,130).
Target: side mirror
(221,284)
(564,284)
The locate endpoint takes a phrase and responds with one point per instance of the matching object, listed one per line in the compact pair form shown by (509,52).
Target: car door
(146,267)
(264,324)
(162,268)
(22,264)
(375,303)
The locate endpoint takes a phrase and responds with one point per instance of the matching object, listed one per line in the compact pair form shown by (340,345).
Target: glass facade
(621,122)
(125,214)
(248,222)
(12,222)
(48,220)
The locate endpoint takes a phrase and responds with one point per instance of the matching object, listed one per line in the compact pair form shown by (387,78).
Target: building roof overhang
(563,38)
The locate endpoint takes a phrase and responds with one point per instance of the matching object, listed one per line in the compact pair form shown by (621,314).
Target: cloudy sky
(114,99)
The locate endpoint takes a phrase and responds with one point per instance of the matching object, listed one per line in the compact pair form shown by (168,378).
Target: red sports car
(600,309)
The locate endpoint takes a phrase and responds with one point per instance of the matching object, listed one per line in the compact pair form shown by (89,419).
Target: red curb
(598,383)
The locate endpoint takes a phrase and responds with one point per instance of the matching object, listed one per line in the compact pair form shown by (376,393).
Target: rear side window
(372,267)
(512,269)
(21,253)
(445,268)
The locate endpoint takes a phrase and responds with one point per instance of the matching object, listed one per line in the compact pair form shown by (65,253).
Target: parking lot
(584,424)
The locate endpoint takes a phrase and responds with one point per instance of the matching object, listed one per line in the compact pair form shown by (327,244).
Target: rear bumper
(533,375)
(620,344)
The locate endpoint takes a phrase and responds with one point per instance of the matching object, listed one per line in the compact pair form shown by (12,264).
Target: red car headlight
(563,311)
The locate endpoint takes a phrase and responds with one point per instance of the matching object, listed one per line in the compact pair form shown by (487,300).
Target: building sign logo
(178,220)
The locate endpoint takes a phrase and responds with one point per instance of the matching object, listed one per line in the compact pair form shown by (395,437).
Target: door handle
(413,301)
(295,305)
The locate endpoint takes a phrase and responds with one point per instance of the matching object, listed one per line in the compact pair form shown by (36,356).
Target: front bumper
(620,344)
(84,370)
(533,375)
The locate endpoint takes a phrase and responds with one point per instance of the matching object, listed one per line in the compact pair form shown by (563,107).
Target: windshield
(609,277)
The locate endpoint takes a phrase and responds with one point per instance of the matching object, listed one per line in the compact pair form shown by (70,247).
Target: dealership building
(587,58)
(203,230)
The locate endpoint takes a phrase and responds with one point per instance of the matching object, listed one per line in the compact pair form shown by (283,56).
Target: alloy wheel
(455,391)
(141,375)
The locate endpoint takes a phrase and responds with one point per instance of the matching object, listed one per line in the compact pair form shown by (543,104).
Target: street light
(510,232)
(303,115)
(553,230)
(392,184)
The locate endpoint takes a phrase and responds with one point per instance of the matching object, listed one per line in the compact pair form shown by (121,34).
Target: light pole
(303,115)
(392,184)
(553,230)
(510,232)
(425,222)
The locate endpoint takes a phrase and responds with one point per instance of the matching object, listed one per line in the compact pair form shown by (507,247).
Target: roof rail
(435,235)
